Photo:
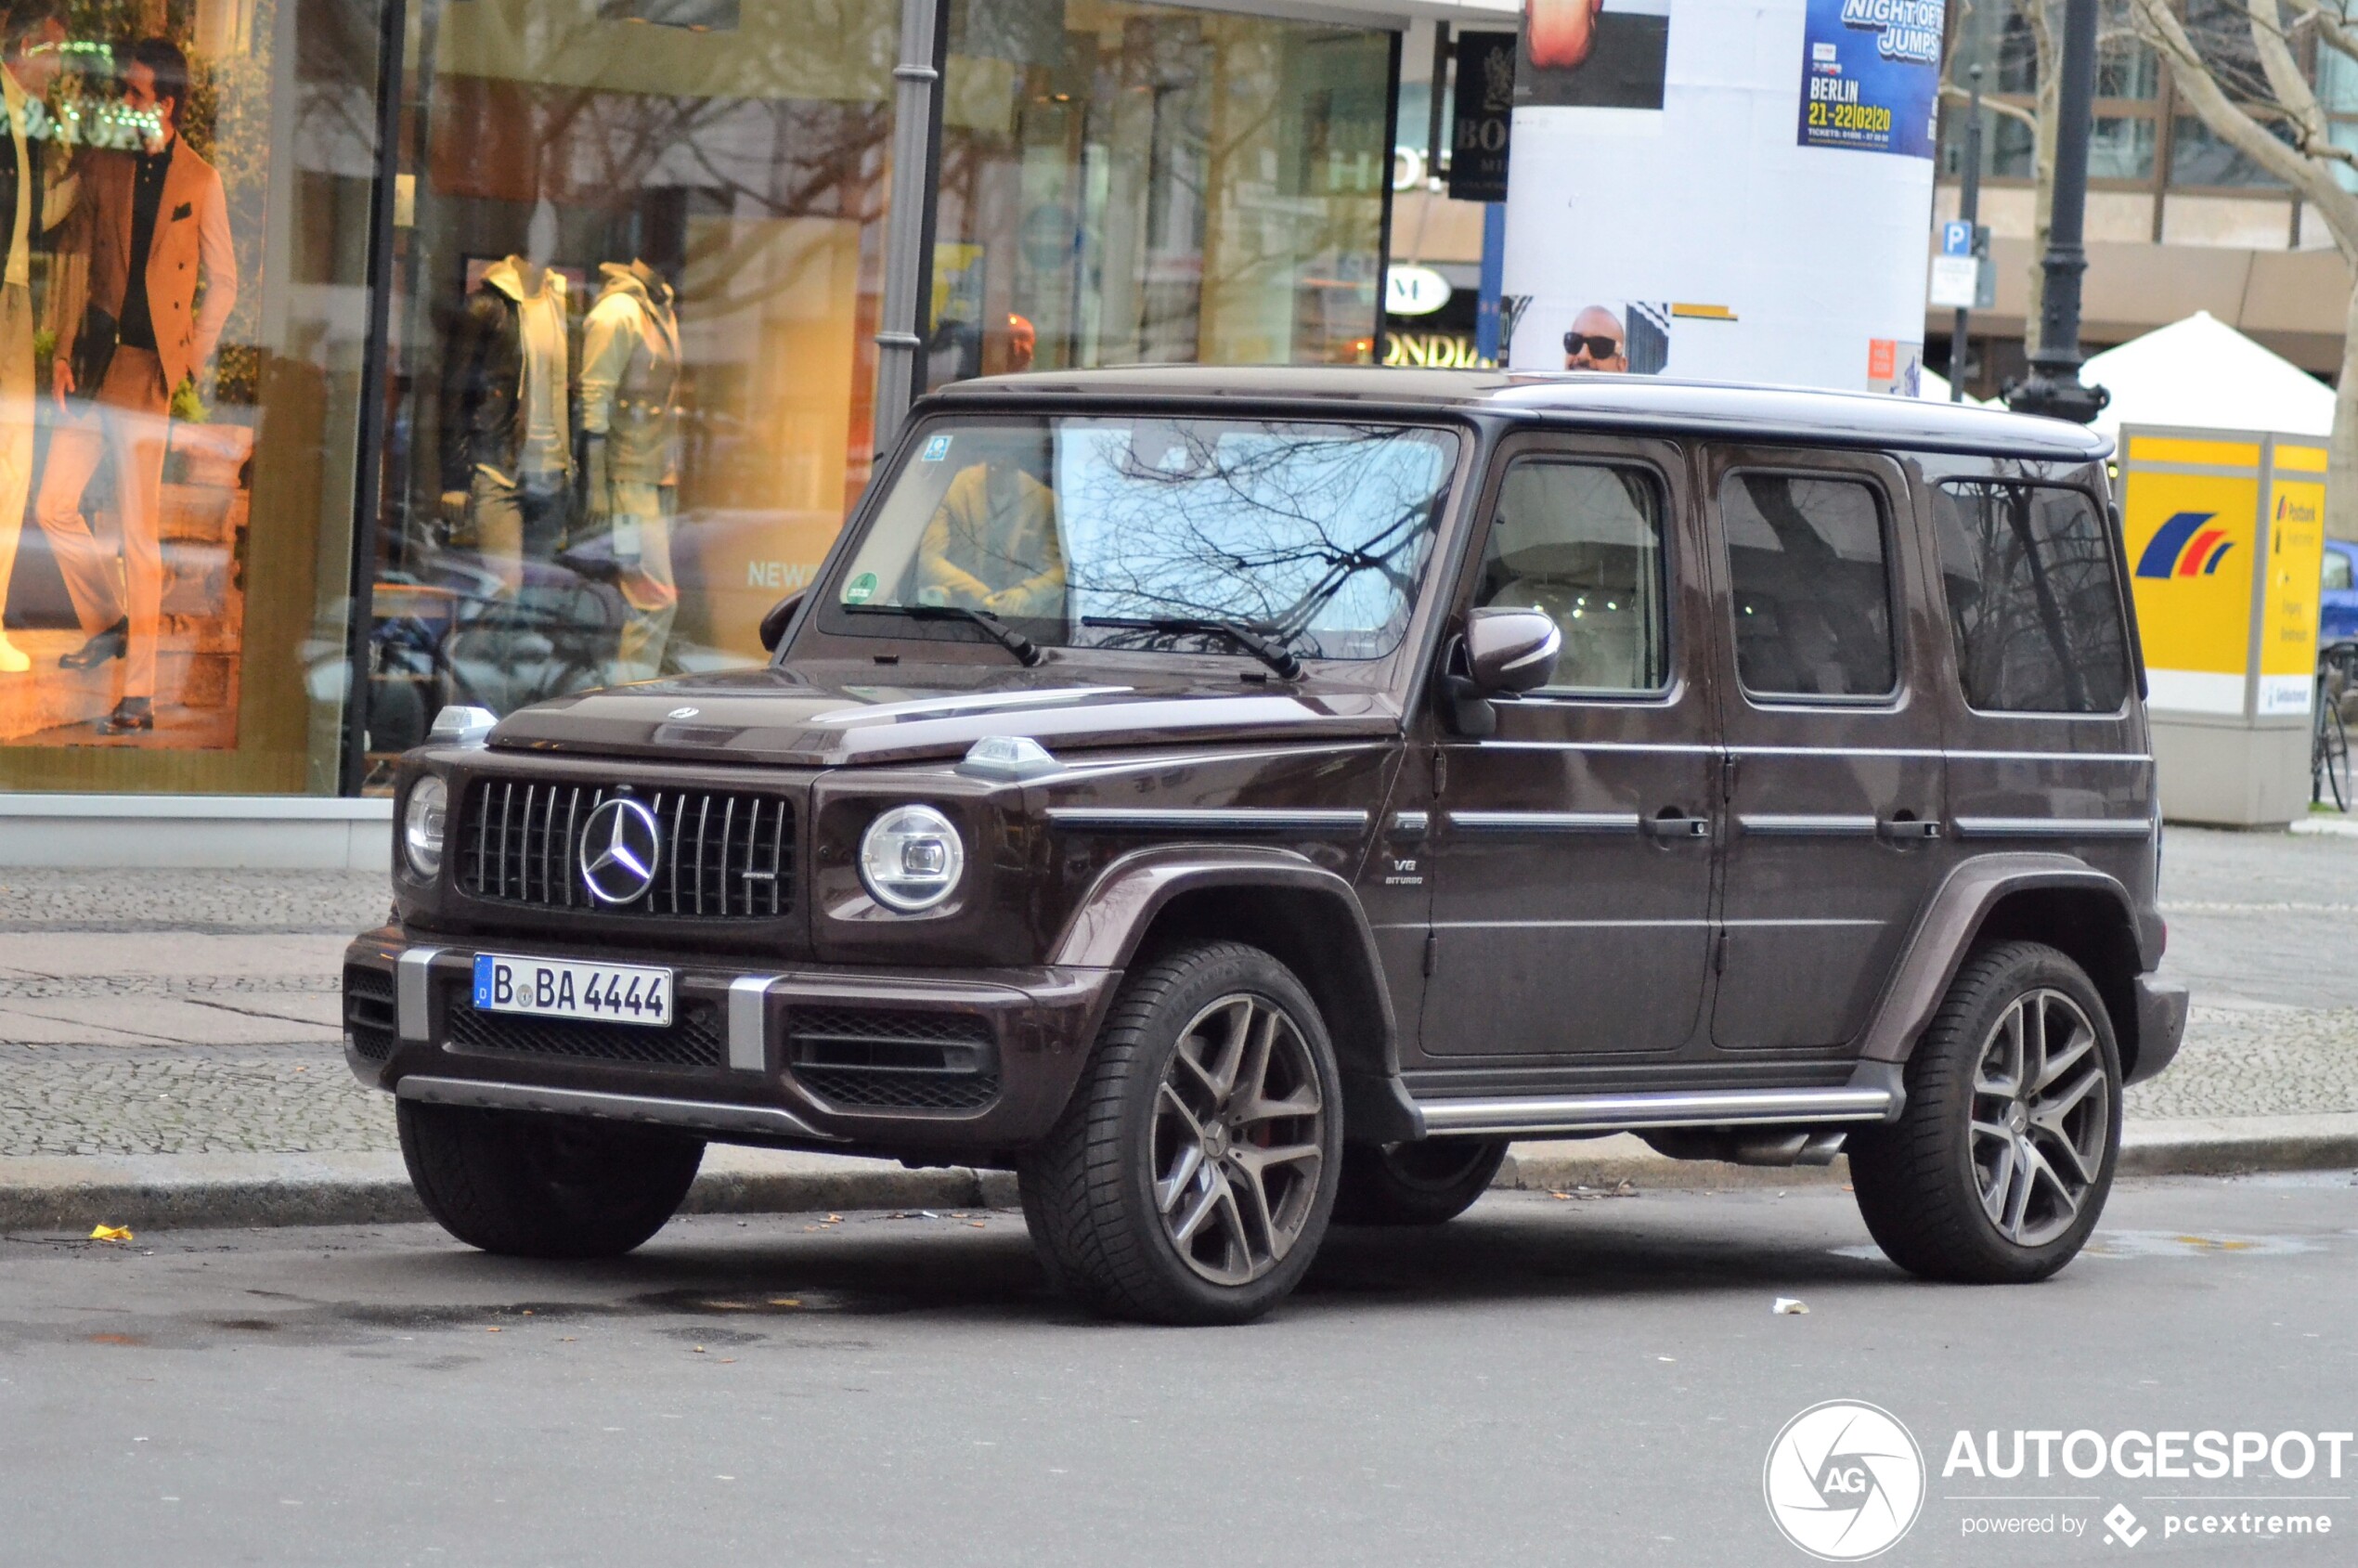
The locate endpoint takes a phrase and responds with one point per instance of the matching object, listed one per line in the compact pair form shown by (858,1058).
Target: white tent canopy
(2203,373)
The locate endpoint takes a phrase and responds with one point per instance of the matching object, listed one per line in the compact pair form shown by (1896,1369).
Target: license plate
(610,993)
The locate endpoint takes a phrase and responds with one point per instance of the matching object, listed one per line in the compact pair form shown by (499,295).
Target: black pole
(2053,387)
(1969,210)
(376,352)
(1433,110)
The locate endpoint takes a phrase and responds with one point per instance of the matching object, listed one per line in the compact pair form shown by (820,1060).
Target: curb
(163,1192)
(166,1192)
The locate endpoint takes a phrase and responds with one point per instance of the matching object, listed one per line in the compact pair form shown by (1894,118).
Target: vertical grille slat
(729,852)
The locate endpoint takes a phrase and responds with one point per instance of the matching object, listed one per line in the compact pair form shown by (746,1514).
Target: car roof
(1586,398)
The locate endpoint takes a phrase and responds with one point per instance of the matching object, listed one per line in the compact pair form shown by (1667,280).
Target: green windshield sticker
(860,589)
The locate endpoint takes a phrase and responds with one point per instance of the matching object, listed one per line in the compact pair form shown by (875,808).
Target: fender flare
(1957,909)
(1112,918)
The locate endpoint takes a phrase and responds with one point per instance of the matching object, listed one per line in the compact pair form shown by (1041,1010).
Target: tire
(526,1185)
(1423,1184)
(1154,1198)
(2001,1161)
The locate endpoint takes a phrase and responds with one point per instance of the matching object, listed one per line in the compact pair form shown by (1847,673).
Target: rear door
(1833,778)
(1572,852)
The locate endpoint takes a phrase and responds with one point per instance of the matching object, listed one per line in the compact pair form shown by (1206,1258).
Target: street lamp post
(2053,387)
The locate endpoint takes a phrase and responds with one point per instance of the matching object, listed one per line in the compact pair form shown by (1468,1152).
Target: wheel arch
(2084,914)
(1306,916)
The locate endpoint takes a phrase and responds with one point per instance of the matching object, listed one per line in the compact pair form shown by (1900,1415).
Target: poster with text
(1871,75)
(1662,218)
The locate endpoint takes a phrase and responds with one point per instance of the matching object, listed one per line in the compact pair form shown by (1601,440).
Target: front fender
(1333,950)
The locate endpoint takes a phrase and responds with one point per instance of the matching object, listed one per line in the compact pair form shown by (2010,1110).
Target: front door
(1834,775)
(1572,851)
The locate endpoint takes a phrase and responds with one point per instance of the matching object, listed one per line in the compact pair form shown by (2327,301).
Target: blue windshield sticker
(936,449)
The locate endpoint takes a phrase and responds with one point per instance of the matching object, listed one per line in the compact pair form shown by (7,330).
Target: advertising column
(1723,190)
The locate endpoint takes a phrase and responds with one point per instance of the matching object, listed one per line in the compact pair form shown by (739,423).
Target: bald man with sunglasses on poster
(152,223)
(1596,341)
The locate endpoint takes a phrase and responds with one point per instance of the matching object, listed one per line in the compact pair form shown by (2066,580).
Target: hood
(832,716)
(507,276)
(624,277)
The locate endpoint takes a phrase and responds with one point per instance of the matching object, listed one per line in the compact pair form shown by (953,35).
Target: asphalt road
(1544,1381)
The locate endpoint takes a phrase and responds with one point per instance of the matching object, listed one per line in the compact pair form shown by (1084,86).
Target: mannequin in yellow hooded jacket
(630,422)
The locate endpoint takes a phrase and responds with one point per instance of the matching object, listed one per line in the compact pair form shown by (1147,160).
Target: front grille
(368,1016)
(893,1060)
(696,1038)
(723,855)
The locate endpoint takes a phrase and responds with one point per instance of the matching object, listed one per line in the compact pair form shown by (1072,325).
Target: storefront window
(639,274)
(1129,183)
(184,211)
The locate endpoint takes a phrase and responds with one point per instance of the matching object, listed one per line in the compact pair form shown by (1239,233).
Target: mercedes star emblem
(683,713)
(620,846)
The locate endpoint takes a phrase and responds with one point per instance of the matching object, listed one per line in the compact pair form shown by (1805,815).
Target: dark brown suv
(1241,799)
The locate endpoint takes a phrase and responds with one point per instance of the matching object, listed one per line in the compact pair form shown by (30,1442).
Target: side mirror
(773,625)
(1509,651)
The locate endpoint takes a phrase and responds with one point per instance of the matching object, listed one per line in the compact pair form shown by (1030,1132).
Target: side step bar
(1871,1096)
(694,1116)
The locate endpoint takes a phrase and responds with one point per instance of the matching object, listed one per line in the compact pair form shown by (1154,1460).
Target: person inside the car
(993,544)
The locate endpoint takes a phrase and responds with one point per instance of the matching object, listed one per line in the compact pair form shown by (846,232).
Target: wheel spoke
(1997,1131)
(1168,1190)
(2049,1112)
(2083,1167)
(1994,1191)
(2005,1043)
(1232,1220)
(1252,1067)
(2018,1194)
(2082,1041)
(2033,1066)
(1206,1202)
(2041,1174)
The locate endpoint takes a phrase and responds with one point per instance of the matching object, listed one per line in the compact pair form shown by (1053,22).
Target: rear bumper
(2161,1025)
(968,1064)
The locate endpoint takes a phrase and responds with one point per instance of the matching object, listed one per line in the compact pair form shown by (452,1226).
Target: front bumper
(917,1065)
(2161,1025)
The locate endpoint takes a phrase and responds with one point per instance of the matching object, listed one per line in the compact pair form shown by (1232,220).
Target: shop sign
(1485,114)
(1432,351)
(1414,291)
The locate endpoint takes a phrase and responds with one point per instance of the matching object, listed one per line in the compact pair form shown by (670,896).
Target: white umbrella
(2202,373)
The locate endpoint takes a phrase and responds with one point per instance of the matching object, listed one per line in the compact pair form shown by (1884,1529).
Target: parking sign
(1956,239)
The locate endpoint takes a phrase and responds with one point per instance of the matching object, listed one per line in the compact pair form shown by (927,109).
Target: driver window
(1583,542)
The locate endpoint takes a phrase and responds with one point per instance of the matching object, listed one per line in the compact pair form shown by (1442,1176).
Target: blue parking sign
(1956,239)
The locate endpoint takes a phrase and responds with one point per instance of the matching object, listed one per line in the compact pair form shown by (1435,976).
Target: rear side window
(2033,598)
(1806,559)
(1583,542)
(2336,572)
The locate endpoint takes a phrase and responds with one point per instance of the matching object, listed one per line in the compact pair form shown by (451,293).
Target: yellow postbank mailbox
(2224,533)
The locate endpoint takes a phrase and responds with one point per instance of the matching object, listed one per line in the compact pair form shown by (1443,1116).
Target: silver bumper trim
(748,1042)
(413,991)
(693,1116)
(1578,1113)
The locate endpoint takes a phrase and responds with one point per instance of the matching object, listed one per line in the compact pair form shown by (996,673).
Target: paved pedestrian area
(195,1012)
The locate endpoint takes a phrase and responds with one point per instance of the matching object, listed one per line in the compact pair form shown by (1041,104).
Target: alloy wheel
(2041,1117)
(1238,1132)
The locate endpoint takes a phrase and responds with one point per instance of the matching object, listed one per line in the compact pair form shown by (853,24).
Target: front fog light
(910,859)
(423,822)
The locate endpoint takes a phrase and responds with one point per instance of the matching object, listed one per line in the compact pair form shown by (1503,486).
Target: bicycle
(2328,736)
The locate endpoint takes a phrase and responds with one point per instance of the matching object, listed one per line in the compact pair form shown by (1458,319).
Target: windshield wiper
(1274,654)
(990,626)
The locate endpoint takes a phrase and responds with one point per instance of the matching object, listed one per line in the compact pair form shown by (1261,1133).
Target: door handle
(1909,830)
(1678,828)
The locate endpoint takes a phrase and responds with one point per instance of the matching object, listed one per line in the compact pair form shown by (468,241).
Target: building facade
(2177,220)
(553,355)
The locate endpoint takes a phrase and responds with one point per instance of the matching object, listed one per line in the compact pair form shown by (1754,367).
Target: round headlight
(422,820)
(910,859)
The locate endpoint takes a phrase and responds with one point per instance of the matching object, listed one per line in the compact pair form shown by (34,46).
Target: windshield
(1312,537)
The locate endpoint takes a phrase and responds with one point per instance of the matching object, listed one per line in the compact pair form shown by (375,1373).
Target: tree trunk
(2341,449)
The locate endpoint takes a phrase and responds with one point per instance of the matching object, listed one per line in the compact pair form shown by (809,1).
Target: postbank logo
(2291,510)
(2190,544)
